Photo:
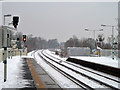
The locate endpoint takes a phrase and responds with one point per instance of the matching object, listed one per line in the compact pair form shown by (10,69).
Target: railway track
(47,59)
(49,82)
(33,53)
(107,76)
(103,80)
(73,79)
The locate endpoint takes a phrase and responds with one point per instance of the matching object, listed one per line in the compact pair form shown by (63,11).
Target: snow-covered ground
(60,79)
(14,70)
(14,74)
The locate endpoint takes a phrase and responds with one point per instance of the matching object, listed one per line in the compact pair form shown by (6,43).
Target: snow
(67,83)
(75,75)
(102,79)
(27,57)
(64,59)
(108,61)
(100,60)
(15,80)
(14,70)
(60,79)
(56,56)
(14,74)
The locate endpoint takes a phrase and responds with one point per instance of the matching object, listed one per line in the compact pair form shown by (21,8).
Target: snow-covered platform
(24,72)
(103,64)
(18,74)
(40,76)
(107,61)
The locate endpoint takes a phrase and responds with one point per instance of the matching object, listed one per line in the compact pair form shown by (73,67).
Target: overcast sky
(62,20)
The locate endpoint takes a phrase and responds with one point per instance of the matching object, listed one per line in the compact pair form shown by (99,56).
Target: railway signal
(15,21)
(24,38)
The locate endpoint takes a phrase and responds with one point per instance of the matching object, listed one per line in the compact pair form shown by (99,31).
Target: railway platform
(40,76)
(109,69)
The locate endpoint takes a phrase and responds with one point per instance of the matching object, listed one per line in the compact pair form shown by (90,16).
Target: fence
(108,52)
(13,52)
(78,51)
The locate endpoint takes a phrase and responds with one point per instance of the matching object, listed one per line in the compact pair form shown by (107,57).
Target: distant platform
(102,64)
(107,61)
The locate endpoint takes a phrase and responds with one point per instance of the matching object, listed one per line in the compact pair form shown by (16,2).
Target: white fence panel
(108,52)
(14,52)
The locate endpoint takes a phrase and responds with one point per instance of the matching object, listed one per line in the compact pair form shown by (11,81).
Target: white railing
(108,52)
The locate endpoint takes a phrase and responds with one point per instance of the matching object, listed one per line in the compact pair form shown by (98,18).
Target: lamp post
(6,36)
(112,37)
(94,35)
(94,31)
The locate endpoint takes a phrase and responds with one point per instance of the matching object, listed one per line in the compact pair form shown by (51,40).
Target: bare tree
(107,46)
(53,43)
(84,42)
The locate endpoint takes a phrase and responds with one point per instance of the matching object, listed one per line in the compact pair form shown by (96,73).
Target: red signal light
(24,38)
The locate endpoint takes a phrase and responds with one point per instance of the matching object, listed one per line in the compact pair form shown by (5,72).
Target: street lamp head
(8,15)
(103,25)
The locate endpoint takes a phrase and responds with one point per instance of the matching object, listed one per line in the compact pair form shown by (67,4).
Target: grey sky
(63,20)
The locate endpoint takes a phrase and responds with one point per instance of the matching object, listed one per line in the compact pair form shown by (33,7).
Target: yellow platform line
(38,81)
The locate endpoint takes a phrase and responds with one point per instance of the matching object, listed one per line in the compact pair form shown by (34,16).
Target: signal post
(5,37)
(24,40)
